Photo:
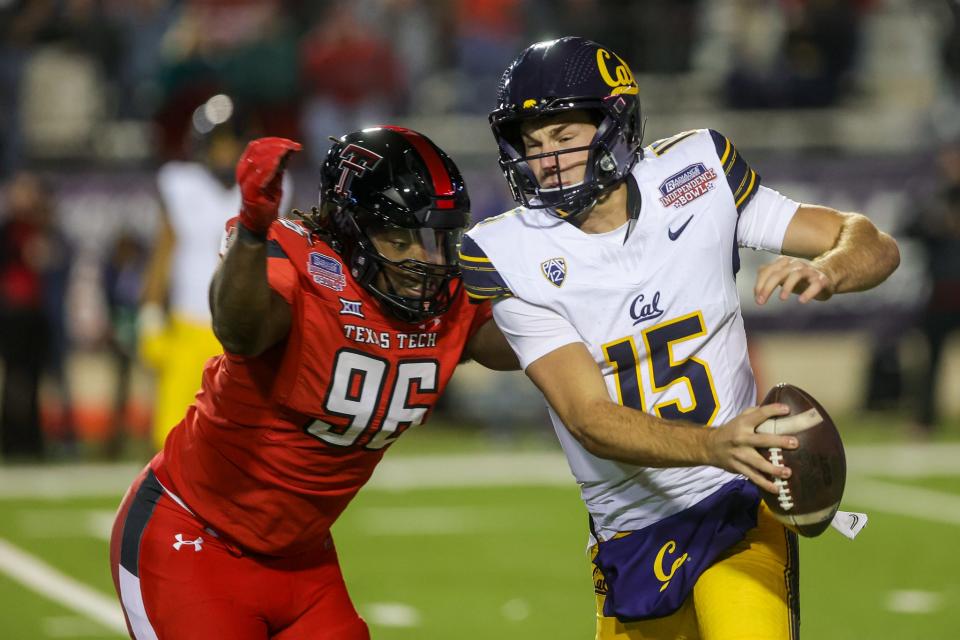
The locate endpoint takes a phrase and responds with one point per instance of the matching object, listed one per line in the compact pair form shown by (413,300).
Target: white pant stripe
(132,600)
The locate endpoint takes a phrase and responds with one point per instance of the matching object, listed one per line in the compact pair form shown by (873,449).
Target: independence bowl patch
(326,271)
(686,185)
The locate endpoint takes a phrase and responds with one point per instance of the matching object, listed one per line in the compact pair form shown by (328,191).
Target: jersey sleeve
(532,331)
(281,274)
(480,277)
(764,221)
(741,178)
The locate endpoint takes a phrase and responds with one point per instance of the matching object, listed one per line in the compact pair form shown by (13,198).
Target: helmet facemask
(413,271)
(611,153)
(398,208)
(417,287)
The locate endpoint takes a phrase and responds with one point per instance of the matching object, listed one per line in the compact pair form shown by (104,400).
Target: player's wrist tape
(246,233)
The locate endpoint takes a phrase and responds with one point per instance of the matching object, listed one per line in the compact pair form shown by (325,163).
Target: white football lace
(783,487)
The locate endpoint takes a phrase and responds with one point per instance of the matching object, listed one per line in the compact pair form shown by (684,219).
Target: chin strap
(634,204)
(575,218)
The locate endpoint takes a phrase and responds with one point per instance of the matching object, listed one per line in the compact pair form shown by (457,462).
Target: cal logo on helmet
(620,79)
(558,76)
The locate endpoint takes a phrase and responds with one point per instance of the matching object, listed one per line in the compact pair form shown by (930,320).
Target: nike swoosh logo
(676,234)
(853,521)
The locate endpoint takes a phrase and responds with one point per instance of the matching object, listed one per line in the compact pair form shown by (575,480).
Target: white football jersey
(659,312)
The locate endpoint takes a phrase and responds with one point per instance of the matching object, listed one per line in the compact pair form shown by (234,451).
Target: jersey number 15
(665,371)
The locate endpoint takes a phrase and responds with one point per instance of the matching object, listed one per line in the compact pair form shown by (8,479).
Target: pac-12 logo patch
(326,271)
(554,270)
(686,185)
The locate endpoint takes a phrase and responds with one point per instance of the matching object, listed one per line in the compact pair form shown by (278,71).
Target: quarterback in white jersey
(615,284)
(658,310)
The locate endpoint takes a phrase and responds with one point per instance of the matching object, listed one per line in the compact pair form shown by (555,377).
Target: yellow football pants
(750,593)
(177,354)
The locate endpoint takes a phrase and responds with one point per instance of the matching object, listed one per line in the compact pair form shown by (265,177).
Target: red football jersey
(275,446)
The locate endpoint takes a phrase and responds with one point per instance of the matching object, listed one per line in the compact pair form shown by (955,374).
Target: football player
(340,332)
(614,281)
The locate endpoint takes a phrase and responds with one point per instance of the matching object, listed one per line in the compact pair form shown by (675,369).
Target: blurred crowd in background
(854,103)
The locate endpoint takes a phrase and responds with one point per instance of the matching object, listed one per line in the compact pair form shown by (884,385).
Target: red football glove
(260,175)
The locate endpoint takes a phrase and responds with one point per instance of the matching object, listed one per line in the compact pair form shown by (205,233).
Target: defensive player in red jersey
(338,337)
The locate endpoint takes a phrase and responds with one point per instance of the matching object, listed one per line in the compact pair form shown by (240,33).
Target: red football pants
(178,581)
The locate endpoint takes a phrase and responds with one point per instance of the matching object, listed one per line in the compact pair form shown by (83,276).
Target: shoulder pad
(659,147)
(481,279)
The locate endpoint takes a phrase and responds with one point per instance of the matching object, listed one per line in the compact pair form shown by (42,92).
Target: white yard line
(398,473)
(547,468)
(907,460)
(58,481)
(49,583)
(902,500)
(495,468)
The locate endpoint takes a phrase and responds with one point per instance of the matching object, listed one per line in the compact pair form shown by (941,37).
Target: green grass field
(429,555)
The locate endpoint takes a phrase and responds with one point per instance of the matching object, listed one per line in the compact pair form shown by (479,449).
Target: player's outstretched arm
(826,252)
(248,316)
(488,347)
(572,384)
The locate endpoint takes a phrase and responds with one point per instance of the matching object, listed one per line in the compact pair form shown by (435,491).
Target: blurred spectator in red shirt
(351,75)
(490,33)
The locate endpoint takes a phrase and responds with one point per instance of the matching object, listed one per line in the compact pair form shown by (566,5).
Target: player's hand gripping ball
(260,176)
(809,498)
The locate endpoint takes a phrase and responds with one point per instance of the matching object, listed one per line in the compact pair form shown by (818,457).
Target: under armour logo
(180,542)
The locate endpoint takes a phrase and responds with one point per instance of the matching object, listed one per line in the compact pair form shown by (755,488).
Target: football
(809,498)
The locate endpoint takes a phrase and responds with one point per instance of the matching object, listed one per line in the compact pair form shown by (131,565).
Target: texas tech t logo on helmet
(355,161)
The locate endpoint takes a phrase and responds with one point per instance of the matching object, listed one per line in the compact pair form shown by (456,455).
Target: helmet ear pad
(362,267)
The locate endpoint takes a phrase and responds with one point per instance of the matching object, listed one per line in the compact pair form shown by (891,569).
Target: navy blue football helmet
(385,178)
(563,75)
